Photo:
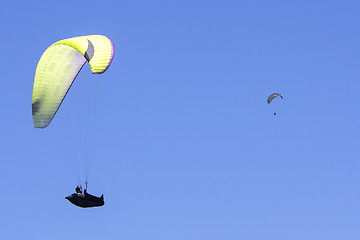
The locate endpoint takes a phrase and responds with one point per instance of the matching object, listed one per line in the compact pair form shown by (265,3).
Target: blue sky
(186,146)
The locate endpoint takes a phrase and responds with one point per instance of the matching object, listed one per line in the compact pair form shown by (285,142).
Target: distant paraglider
(272,96)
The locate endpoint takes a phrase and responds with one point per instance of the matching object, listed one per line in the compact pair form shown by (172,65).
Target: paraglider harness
(83,199)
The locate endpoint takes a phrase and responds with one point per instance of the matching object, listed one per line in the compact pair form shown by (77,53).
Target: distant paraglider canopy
(272,96)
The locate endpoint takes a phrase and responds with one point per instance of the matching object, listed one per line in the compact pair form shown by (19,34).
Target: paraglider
(272,96)
(56,71)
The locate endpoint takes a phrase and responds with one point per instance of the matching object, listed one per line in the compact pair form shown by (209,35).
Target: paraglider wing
(58,68)
(272,96)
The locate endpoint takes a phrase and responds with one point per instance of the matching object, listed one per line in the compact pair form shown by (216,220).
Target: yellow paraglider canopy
(58,68)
